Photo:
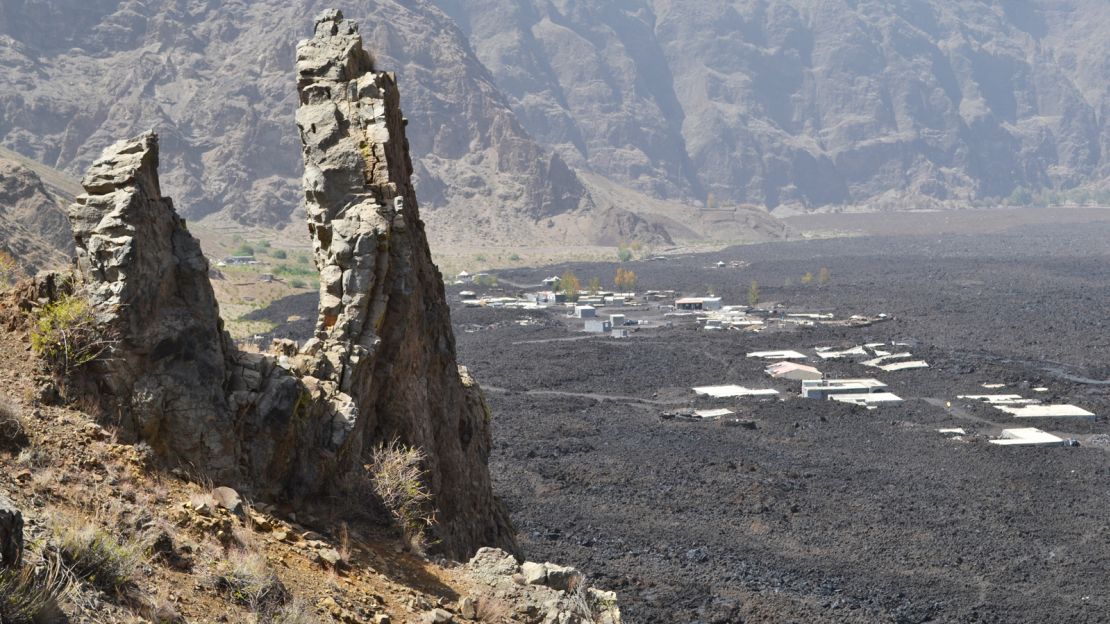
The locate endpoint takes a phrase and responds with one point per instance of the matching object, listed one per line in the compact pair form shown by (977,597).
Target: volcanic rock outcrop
(384,333)
(382,366)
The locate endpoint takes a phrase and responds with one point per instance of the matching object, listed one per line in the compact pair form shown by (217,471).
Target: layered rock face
(384,332)
(382,367)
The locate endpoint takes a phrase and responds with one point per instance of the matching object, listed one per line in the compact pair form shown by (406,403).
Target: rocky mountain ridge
(561,121)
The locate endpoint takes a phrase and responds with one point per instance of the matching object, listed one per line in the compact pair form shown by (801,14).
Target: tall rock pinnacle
(299,426)
(384,332)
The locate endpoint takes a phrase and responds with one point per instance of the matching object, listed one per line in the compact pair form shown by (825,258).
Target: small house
(597,326)
(585,311)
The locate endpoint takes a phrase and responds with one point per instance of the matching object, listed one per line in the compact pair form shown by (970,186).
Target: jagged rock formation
(383,364)
(384,334)
(33,226)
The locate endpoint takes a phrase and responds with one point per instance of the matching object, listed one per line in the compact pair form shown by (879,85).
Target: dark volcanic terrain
(824,512)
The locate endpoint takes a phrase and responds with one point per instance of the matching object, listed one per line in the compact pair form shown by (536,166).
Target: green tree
(1021,197)
(753,293)
(594,287)
(624,254)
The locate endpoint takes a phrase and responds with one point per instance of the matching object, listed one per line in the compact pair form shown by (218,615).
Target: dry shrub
(397,474)
(31,594)
(247,578)
(98,557)
(67,335)
(13,436)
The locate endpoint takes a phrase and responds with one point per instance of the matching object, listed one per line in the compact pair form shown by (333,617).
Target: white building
(825,388)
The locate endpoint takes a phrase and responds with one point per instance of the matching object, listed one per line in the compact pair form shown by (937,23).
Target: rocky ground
(823,512)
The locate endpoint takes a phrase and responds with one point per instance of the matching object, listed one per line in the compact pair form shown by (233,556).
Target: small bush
(397,474)
(297,283)
(243,250)
(247,579)
(279,254)
(97,557)
(31,595)
(13,436)
(66,334)
(302,259)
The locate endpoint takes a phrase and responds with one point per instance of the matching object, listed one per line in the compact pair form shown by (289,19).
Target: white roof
(897,366)
(954,430)
(721,392)
(1047,411)
(783,367)
(867,398)
(1029,436)
(995,399)
(827,353)
(778,355)
(713,413)
(994,386)
(876,362)
(810,384)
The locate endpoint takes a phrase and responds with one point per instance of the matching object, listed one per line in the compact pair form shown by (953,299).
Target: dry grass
(397,474)
(295,612)
(97,556)
(492,610)
(246,577)
(32,594)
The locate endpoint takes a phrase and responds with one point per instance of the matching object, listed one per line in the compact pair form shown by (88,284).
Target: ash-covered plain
(824,512)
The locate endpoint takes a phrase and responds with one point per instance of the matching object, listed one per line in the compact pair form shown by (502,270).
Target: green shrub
(66,334)
(302,259)
(397,475)
(297,283)
(279,254)
(243,250)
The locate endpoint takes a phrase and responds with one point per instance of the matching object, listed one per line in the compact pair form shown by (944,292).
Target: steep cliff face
(296,425)
(384,331)
(789,103)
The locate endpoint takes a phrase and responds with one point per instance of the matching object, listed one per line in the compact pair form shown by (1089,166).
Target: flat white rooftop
(867,398)
(829,354)
(897,366)
(778,355)
(713,413)
(953,431)
(722,392)
(994,386)
(996,399)
(1047,411)
(824,384)
(1029,436)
